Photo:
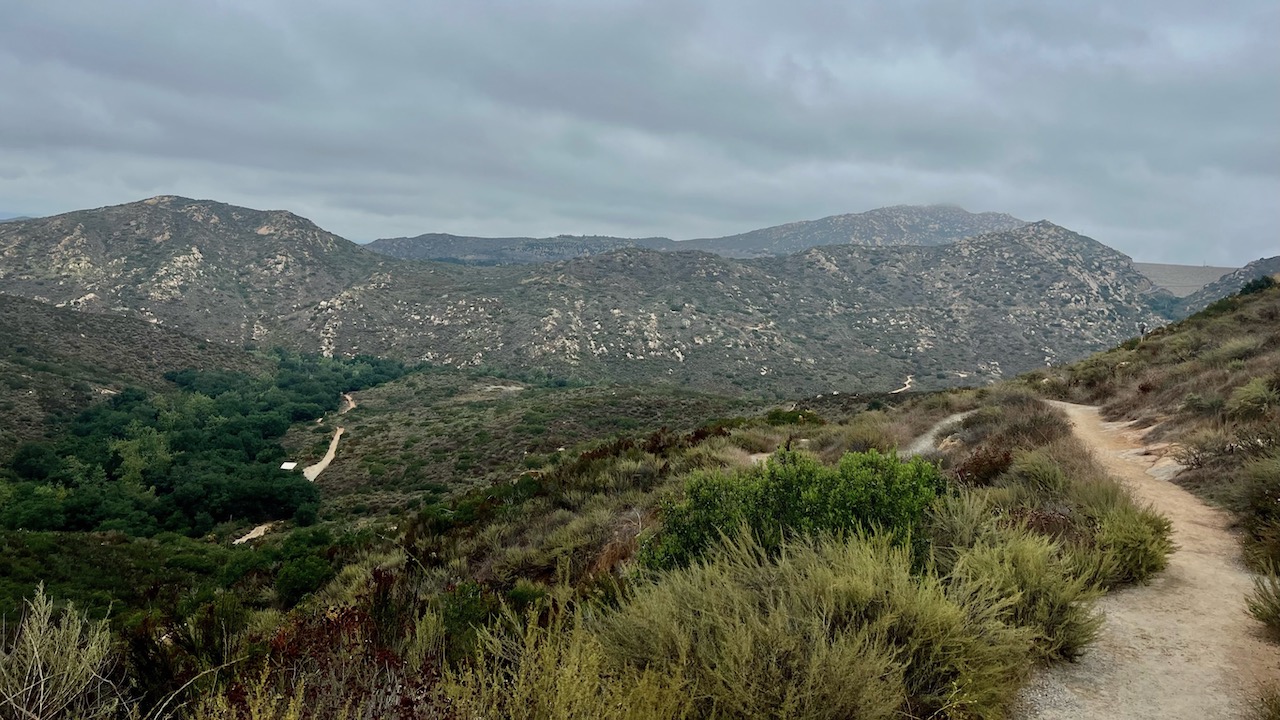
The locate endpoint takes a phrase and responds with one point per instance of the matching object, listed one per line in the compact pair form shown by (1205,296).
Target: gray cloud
(1149,125)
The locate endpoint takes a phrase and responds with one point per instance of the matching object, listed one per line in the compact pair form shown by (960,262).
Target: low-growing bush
(1038,473)
(860,435)
(958,522)
(794,494)
(1264,601)
(1139,541)
(1203,447)
(1252,400)
(1049,596)
(1259,506)
(1239,348)
(983,465)
(558,670)
(1203,404)
(823,629)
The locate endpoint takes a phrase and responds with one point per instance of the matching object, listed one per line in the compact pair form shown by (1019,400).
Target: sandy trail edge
(1180,647)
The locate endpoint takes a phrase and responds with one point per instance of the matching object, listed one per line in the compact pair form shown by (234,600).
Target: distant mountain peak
(899,225)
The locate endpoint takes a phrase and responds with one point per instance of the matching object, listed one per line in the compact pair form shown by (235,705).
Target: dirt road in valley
(311,472)
(1180,647)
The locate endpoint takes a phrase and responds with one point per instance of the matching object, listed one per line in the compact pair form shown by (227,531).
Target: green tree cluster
(183,461)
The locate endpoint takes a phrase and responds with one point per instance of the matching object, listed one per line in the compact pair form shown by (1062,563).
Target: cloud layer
(1149,125)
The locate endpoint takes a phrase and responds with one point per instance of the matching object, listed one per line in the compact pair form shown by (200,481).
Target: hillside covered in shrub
(676,574)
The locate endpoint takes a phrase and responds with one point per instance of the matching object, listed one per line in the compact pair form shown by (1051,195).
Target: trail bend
(1181,647)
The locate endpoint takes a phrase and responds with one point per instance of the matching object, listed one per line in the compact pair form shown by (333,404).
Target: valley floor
(1182,646)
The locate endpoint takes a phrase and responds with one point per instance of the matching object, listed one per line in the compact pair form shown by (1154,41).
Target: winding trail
(905,387)
(1182,646)
(928,442)
(311,472)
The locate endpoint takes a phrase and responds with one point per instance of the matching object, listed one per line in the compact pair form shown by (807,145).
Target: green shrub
(299,577)
(828,629)
(794,494)
(958,522)
(1049,596)
(793,417)
(1264,601)
(1097,496)
(1038,473)
(1138,540)
(1252,400)
(1257,285)
(1197,403)
(1259,505)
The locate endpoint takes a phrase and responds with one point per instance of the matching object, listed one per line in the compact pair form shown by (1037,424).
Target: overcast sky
(1150,125)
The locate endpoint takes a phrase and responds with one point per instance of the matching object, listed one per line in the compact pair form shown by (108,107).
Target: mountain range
(890,226)
(823,319)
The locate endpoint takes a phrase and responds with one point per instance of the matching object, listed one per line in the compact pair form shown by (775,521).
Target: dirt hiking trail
(311,472)
(928,442)
(1182,646)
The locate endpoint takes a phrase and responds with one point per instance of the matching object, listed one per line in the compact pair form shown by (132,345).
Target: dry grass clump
(1264,602)
(56,665)
(558,670)
(1267,705)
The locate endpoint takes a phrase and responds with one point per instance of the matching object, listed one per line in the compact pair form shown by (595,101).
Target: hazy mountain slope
(55,362)
(898,225)
(504,251)
(843,317)
(1181,280)
(1230,283)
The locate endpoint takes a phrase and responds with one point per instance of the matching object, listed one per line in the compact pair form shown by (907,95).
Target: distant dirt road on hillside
(1180,647)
